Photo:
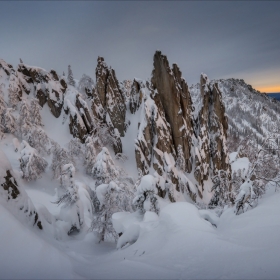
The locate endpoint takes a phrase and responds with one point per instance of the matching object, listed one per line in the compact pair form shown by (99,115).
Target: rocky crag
(181,147)
(169,131)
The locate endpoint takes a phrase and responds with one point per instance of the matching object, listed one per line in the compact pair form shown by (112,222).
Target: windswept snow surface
(180,244)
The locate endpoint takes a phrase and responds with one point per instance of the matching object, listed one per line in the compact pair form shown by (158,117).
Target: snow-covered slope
(176,246)
(250,113)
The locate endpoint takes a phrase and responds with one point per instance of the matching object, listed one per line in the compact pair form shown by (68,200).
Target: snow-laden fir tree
(245,198)
(180,161)
(25,121)
(72,209)
(86,85)
(59,159)
(9,121)
(75,148)
(13,92)
(2,110)
(3,105)
(104,169)
(35,112)
(222,190)
(70,78)
(107,195)
(32,164)
(90,153)
(146,196)
(39,140)
(66,177)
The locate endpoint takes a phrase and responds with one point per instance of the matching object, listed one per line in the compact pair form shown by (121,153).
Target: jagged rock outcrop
(110,96)
(175,98)
(212,133)
(47,87)
(202,156)
(76,124)
(14,197)
(218,130)
(15,85)
(170,142)
(84,113)
(136,95)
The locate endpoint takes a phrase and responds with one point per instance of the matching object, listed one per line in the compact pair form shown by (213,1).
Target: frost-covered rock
(14,196)
(212,155)
(108,90)
(136,95)
(47,87)
(176,101)
(76,124)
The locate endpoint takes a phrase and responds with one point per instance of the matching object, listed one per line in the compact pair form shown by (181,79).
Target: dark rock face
(55,103)
(218,130)
(175,98)
(202,160)
(213,125)
(10,186)
(76,123)
(84,113)
(77,127)
(136,96)
(169,132)
(110,96)
(154,147)
(47,86)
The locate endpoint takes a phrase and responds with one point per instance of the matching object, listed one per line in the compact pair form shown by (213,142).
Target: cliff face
(110,96)
(173,143)
(181,146)
(175,98)
(47,87)
(212,125)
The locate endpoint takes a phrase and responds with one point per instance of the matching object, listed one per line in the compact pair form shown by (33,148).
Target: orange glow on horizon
(269,89)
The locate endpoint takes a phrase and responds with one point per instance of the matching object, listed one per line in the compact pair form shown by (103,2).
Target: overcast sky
(222,39)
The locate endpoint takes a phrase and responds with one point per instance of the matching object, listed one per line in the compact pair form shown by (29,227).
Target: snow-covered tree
(25,122)
(104,169)
(86,84)
(245,198)
(90,153)
(60,158)
(146,198)
(67,175)
(264,168)
(75,148)
(107,135)
(265,165)
(107,195)
(70,78)
(180,161)
(72,210)
(9,121)
(13,92)
(39,140)
(3,105)
(35,112)
(222,190)
(2,110)
(31,163)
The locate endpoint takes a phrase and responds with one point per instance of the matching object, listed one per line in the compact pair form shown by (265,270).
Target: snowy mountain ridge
(113,158)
